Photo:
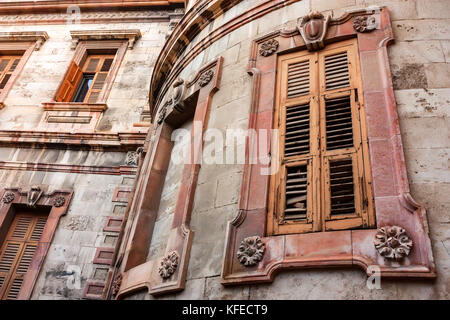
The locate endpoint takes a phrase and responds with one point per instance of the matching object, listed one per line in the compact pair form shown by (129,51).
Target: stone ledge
(38,36)
(121,34)
(74,106)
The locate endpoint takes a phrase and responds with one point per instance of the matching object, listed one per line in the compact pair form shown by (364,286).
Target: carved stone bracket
(8,197)
(313,28)
(38,36)
(124,34)
(392,242)
(116,284)
(205,78)
(168,265)
(268,47)
(251,251)
(364,23)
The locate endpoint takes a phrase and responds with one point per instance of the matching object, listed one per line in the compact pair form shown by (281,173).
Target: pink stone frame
(7,212)
(394,204)
(138,273)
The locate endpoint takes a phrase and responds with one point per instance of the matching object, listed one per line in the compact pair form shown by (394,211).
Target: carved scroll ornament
(116,285)
(168,265)
(251,251)
(205,78)
(8,197)
(59,201)
(392,242)
(313,28)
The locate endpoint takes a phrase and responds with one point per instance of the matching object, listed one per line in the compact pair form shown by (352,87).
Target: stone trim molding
(56,212)
(39,37)
(394,204)
(95,35)
(74,106)
(138,273)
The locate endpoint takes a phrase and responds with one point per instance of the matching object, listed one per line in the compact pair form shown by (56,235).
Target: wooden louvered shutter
(99,65)
(7,66)
(324,177)
(70,83)
(18,251)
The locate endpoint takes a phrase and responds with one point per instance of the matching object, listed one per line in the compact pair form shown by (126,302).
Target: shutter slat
(342,196)
(92,65)
(336,71)
(297,130)
(9,256)
(14,290)
(26,258)
(298,82)
(296,193)
(339,127)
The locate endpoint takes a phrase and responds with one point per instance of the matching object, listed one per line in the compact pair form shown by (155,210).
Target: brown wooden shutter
(100,66)
(18,251)
(70,83)
(7,67)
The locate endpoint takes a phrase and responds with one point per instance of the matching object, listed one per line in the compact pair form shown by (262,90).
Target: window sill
(74,106)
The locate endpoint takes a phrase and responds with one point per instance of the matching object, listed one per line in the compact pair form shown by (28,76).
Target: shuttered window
(7,66)
(17,252)
(323,182)
(84,84)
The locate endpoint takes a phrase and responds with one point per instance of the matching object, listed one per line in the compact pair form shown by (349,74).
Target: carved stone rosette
(268,47)
(205,78)
(364,23)
(392,242)
(251,251)
(8,197)
(168,265)
(313,28)
(59,201)
(116,285)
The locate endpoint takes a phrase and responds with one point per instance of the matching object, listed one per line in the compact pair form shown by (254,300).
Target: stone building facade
(138,224)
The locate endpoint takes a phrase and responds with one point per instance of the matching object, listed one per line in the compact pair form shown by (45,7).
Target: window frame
(394,205)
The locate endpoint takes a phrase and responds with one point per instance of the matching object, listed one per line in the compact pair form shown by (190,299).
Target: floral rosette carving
(8,197)
(168,265)
(116,285)
(251,251)
(205,78)
(392,242)
(364,23)
(59,201)
(268,47)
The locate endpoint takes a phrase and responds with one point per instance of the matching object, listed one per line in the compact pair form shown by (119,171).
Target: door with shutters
(7,66)
(17,251)
(324,178)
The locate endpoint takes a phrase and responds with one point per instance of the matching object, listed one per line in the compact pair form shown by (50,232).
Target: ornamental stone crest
(132,159)
(364,23)
(392,242)
(59,201)
(205,78)
(251,251)
(163,111)
(34,195)
(313,28)
(8,197)
(116,285)
(178,94)
(268,47)
(168,265)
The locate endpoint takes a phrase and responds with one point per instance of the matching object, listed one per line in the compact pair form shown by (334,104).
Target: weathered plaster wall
(419,61)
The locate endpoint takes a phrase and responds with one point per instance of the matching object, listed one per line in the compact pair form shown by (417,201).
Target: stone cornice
(85,35)
(38,36)
(121,141)
(20,7)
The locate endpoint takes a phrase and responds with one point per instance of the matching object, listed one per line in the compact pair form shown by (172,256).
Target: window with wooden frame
(18,250)
(8,64)
(84,83)
(323,182)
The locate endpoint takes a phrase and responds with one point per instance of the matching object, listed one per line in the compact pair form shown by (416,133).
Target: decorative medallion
(168,265)
(251,251)
(205,78)
(132,159)
(116,285)
(313,28)
(34,195)
(364,23)
(8,197)
(59,201)
(268,47)
(392,242)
